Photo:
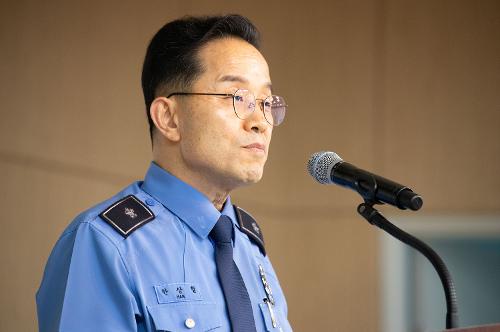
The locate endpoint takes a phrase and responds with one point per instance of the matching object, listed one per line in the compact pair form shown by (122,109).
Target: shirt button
(190,323)
(150,202)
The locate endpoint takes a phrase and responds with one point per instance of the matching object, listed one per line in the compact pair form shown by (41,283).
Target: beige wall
(408,89)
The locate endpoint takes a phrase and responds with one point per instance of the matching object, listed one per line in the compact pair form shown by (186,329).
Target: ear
(164,115)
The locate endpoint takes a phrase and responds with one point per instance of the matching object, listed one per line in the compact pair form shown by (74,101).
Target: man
(172,253)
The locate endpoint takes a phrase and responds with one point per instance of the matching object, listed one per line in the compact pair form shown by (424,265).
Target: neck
(219,200)
(215,193)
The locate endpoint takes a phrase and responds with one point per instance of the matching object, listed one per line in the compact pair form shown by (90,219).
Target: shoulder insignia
(127,215)
(249,226)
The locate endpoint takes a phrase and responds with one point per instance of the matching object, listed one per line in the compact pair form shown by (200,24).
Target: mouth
(256,147)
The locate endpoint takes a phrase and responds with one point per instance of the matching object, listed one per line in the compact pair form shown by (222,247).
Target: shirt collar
(187,203)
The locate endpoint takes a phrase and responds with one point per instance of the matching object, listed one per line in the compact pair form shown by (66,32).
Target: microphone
(327,168)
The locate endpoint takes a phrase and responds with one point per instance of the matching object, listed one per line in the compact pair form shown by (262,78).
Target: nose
(256,121)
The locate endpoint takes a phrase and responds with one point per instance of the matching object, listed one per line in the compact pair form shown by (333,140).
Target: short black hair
(171,59)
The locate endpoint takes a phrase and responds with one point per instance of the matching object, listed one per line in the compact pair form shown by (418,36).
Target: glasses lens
(244,103)
(275,109)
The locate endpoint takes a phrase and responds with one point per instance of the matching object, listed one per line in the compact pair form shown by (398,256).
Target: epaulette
(249,226)
(127,215)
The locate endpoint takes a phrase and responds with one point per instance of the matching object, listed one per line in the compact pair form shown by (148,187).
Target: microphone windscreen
(320,165)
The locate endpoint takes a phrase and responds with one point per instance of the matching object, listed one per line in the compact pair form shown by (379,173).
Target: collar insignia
(249,226)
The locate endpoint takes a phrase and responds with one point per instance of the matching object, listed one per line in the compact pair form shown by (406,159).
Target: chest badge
(267,287)
(269,299)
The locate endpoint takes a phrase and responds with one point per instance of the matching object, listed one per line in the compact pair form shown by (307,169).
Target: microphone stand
(374,217)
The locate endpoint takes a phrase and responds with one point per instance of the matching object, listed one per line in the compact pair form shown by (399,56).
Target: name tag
(177,292)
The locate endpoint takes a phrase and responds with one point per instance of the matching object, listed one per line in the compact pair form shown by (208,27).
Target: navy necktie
(238,302)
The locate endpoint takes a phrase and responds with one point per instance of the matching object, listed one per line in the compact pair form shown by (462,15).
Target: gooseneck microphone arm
(374,217)
(328,168)
(366,185)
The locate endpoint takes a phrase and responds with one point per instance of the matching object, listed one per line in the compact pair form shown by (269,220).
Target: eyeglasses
(273,107)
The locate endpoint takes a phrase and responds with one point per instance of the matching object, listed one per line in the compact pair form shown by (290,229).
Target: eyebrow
(240,79)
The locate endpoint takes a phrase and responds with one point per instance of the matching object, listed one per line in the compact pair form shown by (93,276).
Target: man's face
(227,151)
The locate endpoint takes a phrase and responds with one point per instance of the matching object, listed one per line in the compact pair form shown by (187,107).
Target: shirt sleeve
(86,286)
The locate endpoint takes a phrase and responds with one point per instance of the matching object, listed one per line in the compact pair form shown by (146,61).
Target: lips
(256,146)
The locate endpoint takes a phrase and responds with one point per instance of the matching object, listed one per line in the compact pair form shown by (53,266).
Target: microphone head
(320,165)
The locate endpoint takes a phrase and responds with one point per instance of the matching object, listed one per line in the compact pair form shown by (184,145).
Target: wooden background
(407,89)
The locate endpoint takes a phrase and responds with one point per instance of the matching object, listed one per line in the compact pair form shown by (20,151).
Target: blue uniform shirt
(162,277)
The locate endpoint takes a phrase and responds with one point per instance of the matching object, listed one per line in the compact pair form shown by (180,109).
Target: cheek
(220,132)
(269,135)
(208,141)
(212,134)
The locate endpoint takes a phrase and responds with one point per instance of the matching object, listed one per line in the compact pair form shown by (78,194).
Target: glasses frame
(232,95)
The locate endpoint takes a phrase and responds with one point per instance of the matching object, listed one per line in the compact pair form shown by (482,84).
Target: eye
(238,98)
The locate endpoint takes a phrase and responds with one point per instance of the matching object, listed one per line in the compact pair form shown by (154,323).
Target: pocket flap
(185,316)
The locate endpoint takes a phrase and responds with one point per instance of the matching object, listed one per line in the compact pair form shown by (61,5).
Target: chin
(252,176)
(243,178)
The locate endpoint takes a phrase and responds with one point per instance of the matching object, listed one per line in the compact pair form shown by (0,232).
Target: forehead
(233,60)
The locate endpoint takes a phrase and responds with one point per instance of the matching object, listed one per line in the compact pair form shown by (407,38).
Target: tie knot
(223,230)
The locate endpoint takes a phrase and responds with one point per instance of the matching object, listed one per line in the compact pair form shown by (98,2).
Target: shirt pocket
(185,316)
(280,319)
